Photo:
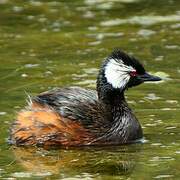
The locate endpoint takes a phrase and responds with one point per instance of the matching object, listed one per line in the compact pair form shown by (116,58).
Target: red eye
(133,73)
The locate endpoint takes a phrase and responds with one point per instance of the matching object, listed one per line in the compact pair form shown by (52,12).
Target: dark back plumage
(77,104)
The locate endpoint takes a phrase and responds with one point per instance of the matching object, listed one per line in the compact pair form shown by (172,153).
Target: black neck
(123,126)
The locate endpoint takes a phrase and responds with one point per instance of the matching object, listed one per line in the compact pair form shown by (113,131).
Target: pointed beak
(148,77)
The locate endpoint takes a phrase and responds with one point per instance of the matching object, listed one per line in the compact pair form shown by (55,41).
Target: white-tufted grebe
(75,116)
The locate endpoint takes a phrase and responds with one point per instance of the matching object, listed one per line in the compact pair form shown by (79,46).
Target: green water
(45,44)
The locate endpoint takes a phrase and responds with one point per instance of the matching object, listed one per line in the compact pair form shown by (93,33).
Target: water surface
(45,44)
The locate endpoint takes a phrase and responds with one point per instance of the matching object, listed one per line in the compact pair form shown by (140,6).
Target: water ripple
(163,176)
(142,20)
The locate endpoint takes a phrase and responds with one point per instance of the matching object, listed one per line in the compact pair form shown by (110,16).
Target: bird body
(75,116)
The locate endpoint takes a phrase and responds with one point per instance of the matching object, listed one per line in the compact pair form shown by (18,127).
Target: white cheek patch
(117,73)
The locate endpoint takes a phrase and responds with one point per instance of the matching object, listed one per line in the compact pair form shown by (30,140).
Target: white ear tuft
(117,73)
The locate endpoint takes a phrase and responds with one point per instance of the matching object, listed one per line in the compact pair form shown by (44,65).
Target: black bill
(148,77)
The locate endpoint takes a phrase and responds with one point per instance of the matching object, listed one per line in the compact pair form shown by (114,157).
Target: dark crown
(118,55)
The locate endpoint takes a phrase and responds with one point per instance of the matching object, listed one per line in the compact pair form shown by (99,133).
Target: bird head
(122,71)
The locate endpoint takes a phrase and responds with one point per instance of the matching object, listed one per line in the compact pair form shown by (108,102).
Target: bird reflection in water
(101,161)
